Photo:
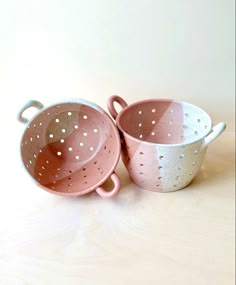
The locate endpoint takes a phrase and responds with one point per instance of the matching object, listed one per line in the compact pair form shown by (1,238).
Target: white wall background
(182,49)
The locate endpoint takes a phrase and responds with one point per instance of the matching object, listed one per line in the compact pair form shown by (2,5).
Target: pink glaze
(71,149)
(163,141)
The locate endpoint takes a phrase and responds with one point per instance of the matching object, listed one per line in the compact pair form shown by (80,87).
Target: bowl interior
(164,122)
(70,148)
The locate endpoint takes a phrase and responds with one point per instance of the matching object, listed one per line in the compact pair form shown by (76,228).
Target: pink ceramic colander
(71,148)
(163,141)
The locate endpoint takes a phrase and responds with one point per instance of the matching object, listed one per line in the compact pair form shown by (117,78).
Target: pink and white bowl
(164,142)
(71,148)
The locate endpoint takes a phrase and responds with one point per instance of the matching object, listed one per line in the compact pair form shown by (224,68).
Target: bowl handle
(116,189)
(110,105)
(216,131)
(30,104)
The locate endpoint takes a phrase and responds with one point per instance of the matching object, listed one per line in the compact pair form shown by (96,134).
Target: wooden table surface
(185,237)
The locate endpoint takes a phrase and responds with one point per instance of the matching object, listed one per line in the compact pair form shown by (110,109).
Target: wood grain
(141,237)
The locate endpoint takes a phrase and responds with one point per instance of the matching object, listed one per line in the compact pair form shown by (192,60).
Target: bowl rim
(116,138)
(127,108)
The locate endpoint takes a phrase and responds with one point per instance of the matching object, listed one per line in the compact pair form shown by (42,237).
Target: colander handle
(111,104)
(216,131)
(30,104)
(116,189)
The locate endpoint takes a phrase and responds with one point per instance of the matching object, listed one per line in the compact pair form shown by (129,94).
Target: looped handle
(216,131)
(110,105)
(30,104)
(116,189)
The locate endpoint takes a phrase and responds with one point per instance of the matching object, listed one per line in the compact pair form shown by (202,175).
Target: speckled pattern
(163,141)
